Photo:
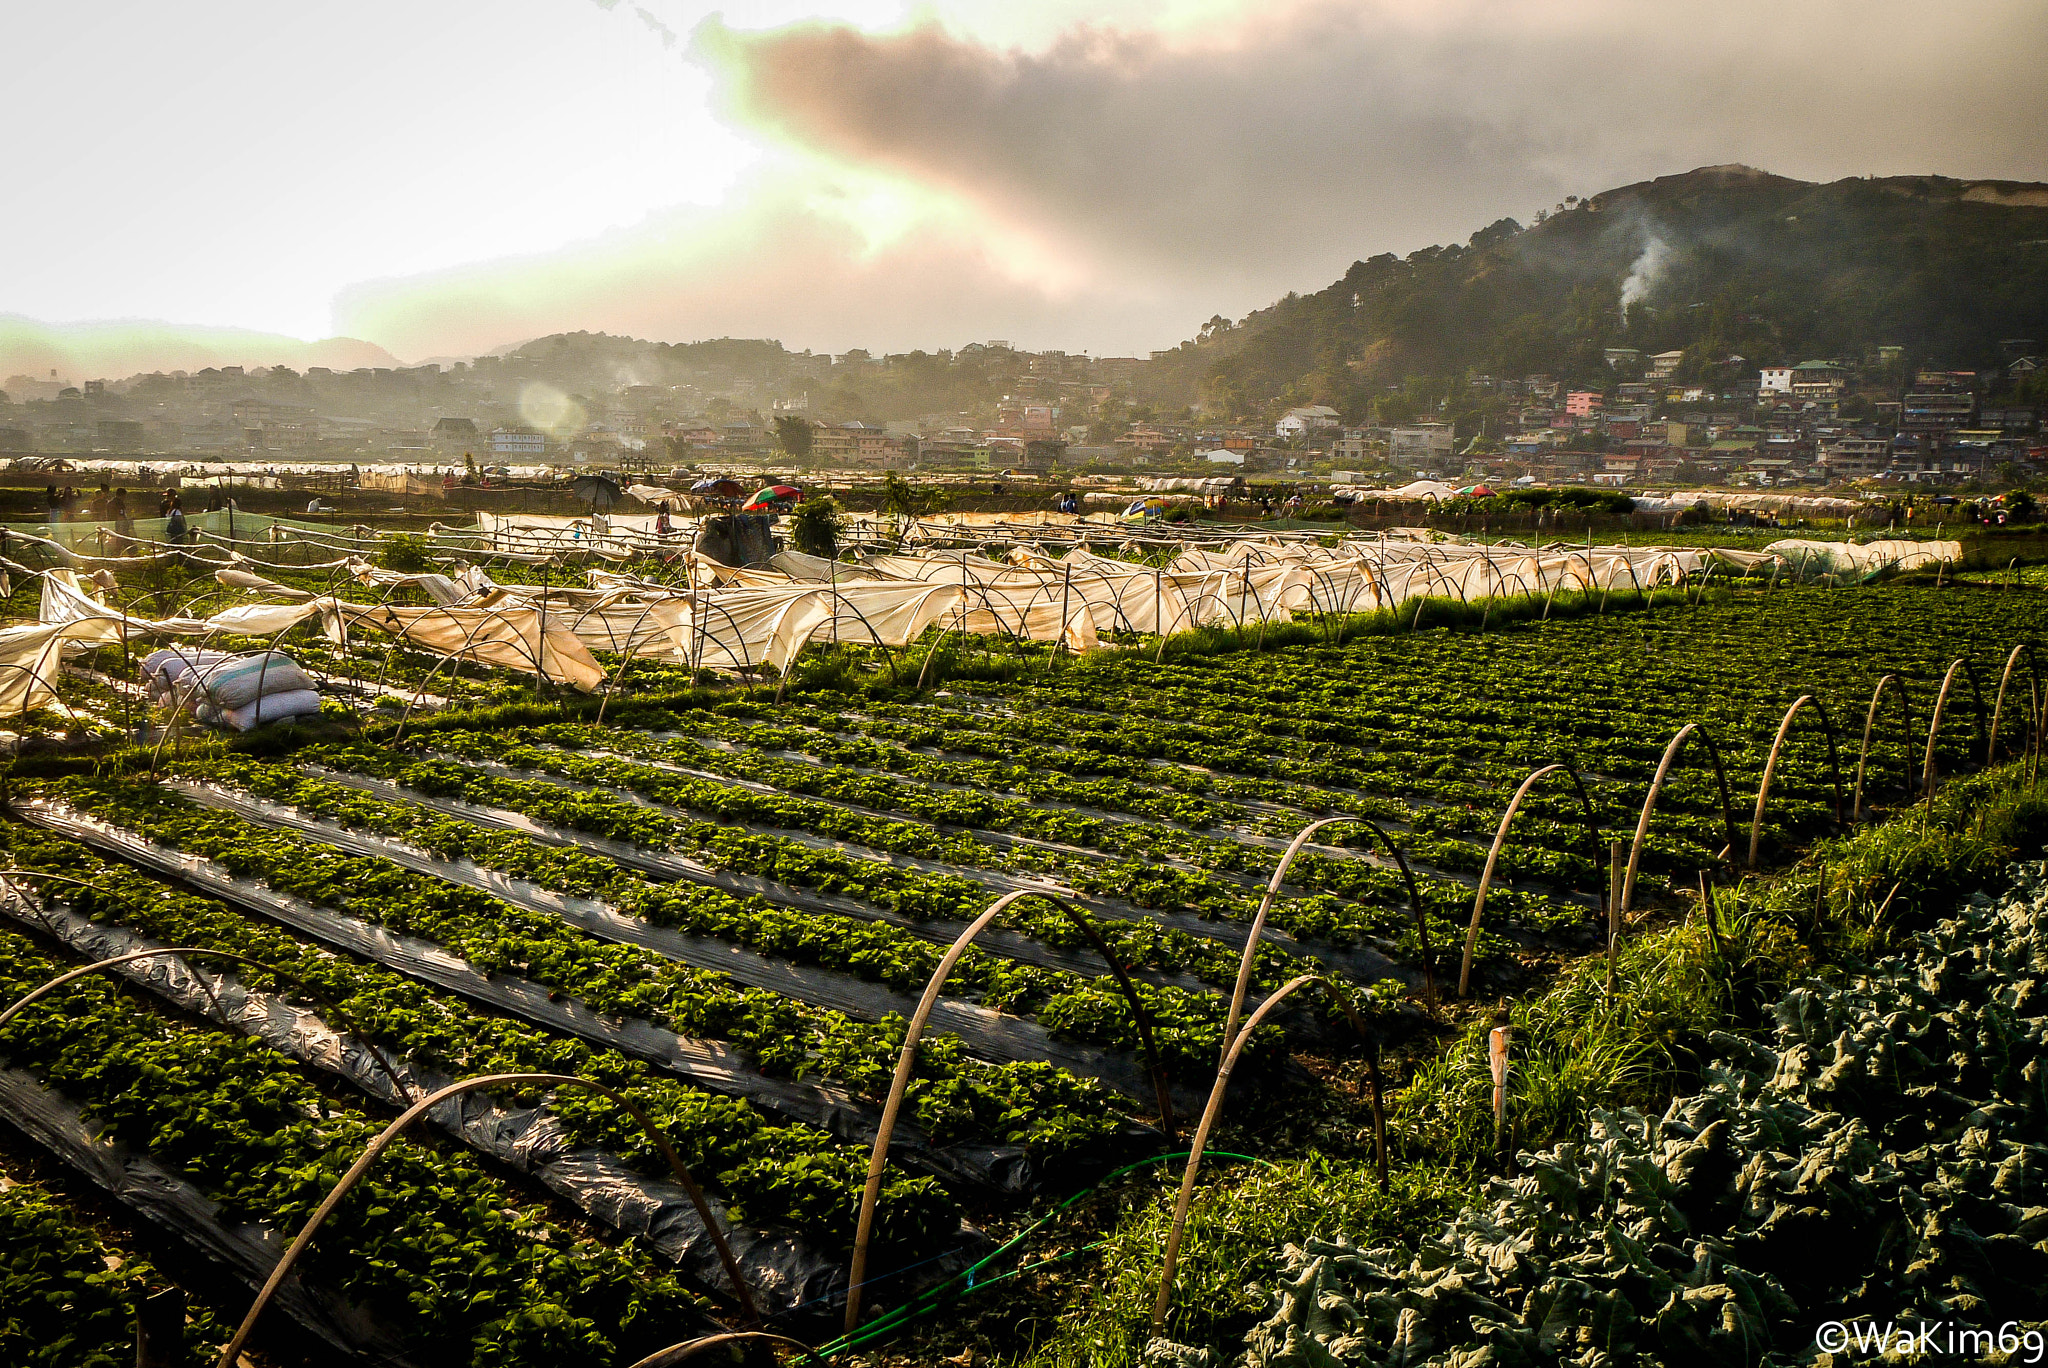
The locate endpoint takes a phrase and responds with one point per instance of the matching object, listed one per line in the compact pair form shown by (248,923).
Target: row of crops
(724,909)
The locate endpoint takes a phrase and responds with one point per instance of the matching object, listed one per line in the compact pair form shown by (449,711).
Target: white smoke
(1642,275)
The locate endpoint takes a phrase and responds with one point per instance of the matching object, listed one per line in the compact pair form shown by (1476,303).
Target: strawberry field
(726,905)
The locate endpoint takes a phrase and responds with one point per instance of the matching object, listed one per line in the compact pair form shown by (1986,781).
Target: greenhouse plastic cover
(1867,559)
(494,631)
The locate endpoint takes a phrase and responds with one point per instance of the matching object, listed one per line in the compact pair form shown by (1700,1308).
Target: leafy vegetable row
(1013,1103)
(772,1174)
(909,892)
(452,1258)
(1187,1025)
(70,1296)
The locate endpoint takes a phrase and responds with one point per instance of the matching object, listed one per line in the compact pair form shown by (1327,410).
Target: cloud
(1113,186)
(790,257)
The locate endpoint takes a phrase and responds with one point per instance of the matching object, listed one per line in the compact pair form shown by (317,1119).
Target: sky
(444,177)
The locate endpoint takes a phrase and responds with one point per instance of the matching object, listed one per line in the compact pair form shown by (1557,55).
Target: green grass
(1574,1048)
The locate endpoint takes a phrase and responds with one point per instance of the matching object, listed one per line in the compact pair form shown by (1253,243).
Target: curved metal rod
(391,1132)
(906,1064)
(689,1349)
(1998,711)
(625,658)
(1763,790)
(1493,856)
(925,668)
(1414,906)
(839,600)
(1635,854)
(1905,739)
(536,657)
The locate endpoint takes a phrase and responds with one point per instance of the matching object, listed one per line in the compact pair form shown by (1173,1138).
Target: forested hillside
(1720,262)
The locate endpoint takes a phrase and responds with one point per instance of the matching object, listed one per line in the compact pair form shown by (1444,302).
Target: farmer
(174,524)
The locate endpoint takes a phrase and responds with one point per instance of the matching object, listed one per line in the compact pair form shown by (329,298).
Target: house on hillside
(1300,422)
(456,434)
(518,441)
(1665,364)
(1420,444)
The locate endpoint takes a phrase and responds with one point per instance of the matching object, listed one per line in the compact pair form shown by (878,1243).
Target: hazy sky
(445,176)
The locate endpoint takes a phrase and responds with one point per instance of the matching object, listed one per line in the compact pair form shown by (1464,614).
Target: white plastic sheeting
(493,630)
(1805,559)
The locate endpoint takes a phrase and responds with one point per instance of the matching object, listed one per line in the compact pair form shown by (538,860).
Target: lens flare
(551,410)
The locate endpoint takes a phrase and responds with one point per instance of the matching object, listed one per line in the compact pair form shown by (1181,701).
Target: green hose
(930,1300)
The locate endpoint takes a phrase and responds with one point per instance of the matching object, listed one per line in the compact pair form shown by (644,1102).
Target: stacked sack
(239,691)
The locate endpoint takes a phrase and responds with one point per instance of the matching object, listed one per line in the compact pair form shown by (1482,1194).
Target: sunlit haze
(442,178)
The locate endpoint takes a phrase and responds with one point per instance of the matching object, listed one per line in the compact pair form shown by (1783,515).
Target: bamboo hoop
(906,1063)
(1998,711)
(1493,857)
(1934,729)
(1763,791)
(391,1132)
(689,1349)
(1671,753)
(1201,1138)
(1905,739)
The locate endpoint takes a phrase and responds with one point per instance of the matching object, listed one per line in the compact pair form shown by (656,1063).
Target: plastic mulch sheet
(781,1270)
(988,1034)
(707,1064)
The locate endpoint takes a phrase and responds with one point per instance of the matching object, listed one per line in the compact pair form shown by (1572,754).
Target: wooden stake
(1613,910)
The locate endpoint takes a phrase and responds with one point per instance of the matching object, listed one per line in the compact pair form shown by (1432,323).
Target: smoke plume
(1643,272)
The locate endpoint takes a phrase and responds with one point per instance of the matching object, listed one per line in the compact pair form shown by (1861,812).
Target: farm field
(723,904)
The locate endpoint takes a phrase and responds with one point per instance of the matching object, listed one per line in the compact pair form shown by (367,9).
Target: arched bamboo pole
(1934,721)
(1493,857)
(1258,927)
(1201,1139)
(1763,790)
(906,1064)
(182,951)
(390,1133)
(730,1340)
(1671,752)
(1998,710)
(1905,738)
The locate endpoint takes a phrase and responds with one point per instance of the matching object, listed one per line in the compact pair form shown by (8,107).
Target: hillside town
(1818,422)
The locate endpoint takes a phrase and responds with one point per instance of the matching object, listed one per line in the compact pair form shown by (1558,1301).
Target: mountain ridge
(1717,262)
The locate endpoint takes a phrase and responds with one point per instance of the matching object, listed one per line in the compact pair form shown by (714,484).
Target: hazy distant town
(592,400)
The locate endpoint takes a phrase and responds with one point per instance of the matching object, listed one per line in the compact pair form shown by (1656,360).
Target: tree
(814,527)
(906,500)
(793,435)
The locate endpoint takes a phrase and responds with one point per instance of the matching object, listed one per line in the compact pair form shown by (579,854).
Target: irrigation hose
(932,1299)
